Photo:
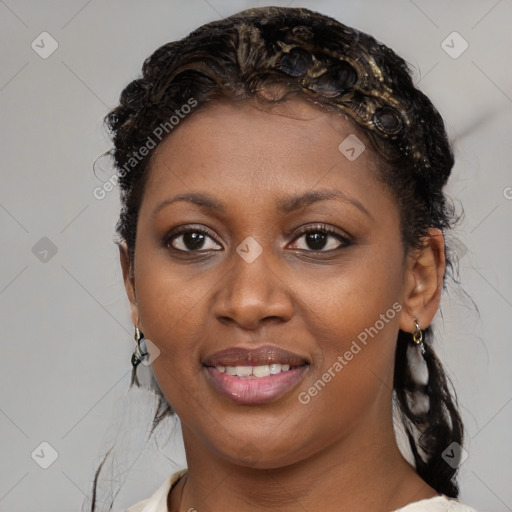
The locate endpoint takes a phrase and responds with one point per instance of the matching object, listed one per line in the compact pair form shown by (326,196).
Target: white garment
(158,502)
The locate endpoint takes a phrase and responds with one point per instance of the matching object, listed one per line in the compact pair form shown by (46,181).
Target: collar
(158,501)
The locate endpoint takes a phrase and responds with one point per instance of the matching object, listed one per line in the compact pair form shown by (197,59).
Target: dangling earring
(140,350)
(417,336)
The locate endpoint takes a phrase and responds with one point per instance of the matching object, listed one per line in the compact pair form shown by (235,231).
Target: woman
(282,246)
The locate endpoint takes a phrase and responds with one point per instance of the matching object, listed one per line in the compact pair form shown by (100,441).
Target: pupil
(193,240)
(317,240)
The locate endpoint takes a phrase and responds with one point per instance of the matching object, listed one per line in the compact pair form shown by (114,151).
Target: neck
(363,471)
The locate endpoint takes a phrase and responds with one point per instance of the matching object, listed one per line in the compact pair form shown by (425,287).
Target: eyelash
(318,228)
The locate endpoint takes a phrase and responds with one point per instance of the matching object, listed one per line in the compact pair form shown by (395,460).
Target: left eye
(321,238)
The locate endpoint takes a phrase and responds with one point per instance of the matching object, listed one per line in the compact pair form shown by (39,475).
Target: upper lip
(267,354)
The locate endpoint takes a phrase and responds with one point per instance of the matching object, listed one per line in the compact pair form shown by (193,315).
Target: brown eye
(320,238)
(191,240)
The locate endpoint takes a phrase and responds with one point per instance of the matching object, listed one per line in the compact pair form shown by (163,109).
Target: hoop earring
(140,350)
(417,337)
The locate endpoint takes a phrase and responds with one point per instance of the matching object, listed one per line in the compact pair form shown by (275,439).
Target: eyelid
(322,227)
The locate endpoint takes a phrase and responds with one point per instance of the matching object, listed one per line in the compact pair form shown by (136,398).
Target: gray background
(66,332)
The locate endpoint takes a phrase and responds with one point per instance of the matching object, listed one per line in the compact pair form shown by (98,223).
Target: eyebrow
(285,205)
(293,203)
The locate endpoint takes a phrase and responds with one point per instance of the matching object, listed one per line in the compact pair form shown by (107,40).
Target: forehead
(251,154)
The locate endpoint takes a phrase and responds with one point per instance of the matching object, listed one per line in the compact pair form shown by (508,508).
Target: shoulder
(158,501)
(436,504)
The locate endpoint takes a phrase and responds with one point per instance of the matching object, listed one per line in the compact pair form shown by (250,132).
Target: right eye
(191,239)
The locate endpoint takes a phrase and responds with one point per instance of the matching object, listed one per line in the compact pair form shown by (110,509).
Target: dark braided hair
(272,54)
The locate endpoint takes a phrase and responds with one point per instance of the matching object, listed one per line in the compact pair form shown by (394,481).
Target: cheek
(173,318)
(362,293)
(171,312)
(355,319)
(174,310)
(354,375)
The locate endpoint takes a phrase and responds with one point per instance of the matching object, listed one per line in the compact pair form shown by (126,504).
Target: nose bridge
(252,290)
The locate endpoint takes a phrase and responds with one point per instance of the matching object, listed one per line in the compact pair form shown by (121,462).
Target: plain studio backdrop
(66,331)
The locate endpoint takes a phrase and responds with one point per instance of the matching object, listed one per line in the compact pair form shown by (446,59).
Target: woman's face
(238,276)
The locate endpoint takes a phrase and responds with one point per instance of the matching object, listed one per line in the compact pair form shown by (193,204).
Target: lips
(254,376)
(266,355)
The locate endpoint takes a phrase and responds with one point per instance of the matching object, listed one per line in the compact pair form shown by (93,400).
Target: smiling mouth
(254,376)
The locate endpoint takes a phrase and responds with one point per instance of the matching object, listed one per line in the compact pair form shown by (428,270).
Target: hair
(274,54)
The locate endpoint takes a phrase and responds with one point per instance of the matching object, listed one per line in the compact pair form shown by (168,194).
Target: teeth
(243,371)
(254,371)
(275,368)
(261,371)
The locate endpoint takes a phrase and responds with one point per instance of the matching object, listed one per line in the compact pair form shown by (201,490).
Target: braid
(432,429)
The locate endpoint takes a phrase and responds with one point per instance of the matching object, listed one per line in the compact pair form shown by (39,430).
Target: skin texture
(338,452)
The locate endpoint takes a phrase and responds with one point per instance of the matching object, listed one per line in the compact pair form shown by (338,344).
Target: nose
(252,294)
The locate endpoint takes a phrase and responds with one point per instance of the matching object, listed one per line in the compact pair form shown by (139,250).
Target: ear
(425,270)
(129,281)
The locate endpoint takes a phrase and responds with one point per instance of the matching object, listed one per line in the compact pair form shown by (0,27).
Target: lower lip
(255,390)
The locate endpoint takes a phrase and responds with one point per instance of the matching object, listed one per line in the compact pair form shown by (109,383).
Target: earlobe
(129,281)
(424,282)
